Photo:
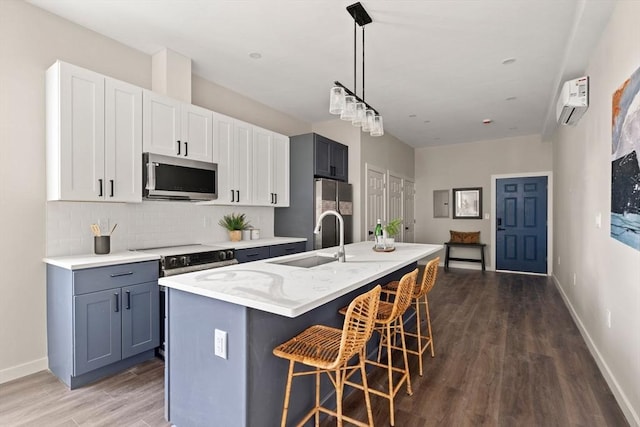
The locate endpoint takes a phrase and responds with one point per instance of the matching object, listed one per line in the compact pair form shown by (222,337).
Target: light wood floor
(507,354)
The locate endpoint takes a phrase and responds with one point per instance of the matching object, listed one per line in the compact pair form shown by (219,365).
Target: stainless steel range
(185,259)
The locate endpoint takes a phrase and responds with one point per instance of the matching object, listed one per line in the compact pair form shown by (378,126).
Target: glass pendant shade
(349,111)
(367,122)
(336,100)
(377,129)
(359,114)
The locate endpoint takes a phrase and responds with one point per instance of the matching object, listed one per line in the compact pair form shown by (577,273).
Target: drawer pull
(128,273)
(254,254)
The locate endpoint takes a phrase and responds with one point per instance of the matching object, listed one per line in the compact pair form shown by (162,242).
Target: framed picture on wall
(467,203)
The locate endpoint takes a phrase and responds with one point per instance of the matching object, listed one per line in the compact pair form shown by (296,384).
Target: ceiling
(434,68)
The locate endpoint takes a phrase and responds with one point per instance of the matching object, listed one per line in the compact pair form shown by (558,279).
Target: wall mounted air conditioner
(573,101)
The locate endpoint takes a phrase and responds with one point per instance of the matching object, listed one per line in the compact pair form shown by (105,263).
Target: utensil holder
(102,245)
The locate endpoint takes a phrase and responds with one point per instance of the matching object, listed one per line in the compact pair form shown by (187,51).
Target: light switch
(487,215)
(599,220)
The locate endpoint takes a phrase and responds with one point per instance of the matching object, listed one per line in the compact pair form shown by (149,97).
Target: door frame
(549,175)
(367,168)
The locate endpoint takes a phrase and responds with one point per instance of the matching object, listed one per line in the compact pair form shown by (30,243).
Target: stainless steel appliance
(338,196)
(185,259)
(173,178)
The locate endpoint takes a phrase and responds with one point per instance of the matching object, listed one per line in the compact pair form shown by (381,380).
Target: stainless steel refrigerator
(338,196)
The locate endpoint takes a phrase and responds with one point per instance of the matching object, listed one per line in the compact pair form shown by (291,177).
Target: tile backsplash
(143,225)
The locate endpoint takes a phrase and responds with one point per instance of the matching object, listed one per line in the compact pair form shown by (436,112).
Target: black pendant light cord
(363,63)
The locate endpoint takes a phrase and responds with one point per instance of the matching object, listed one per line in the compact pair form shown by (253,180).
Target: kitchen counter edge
(79,262)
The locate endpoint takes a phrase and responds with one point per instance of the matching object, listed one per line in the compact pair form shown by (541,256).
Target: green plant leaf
(234,221)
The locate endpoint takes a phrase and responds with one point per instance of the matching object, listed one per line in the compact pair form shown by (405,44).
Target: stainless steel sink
(306,262)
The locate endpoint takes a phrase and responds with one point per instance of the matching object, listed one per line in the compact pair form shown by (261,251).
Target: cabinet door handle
(276,194)
(128,273)
(111,182)
(178,147)
(238,195)
(233,196)
(186,148)
(100,185)
(116,296)
(128,307)
(272,198)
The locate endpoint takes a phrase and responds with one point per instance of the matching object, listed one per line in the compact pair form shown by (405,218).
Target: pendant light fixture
(345,102)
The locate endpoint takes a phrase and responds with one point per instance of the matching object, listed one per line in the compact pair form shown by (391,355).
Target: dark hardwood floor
(507,354)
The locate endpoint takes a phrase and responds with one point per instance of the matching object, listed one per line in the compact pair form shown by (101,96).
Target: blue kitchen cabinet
(287,249)
(331,159)
(101,320)
(264,252)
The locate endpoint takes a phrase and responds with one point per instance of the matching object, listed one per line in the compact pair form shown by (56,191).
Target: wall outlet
(574,279)
(558,260)
(598,220)
(609,318)
(487,216)
(220,343)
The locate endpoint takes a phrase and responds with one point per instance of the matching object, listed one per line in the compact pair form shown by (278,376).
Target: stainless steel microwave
(173,178)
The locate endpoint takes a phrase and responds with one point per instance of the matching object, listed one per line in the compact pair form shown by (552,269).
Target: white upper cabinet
(94,136)
(176,129)
(233,154)
(271,168)
(253,164)
(280,175)
(123,141)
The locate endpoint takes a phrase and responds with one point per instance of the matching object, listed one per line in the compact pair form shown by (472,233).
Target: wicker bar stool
(329,350)
(389,324)
(419,299)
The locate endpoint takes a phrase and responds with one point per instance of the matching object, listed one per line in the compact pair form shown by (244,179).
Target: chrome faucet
(341,255)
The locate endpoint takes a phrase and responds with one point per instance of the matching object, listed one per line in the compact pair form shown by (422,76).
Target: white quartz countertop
(291,291)
(77,262)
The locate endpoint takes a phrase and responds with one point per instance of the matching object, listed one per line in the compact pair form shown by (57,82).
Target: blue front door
(521,224)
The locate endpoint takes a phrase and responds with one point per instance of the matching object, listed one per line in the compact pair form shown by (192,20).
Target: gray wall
(471,165)
(30,41)
(607,272)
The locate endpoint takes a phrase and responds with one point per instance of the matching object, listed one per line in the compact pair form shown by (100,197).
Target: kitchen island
(259,305)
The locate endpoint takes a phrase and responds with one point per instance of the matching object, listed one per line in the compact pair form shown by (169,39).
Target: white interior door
(409,219)
(395,202)
(376,183)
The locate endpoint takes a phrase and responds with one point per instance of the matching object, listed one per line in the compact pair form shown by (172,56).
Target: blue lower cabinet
(99,321)
(287,249)
(252,254)
(265,252)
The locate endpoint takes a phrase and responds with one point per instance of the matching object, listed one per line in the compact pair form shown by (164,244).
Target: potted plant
(234,223)
(391,230)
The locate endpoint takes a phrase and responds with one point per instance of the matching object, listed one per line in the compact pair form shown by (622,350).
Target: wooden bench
(449,245)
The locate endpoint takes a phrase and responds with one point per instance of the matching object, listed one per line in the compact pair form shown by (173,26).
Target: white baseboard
(621,397)
(25,369)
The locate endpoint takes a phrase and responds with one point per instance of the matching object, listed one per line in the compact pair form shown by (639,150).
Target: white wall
(471,165)
(607,271)
(30,41)
(143,225)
